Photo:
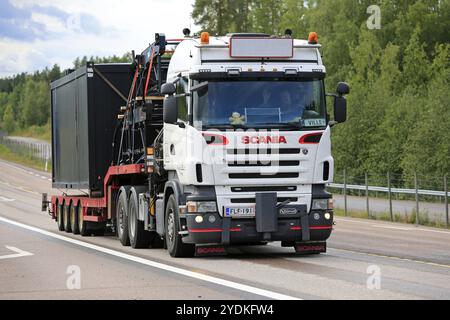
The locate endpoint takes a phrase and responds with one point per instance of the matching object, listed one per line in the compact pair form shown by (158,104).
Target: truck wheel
(122,216)
(82,225)
(175,246)
(59,217)
(66,218)
(139,237)
(74,219)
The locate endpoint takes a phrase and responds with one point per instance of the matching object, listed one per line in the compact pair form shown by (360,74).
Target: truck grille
(264,151)
(248,163)
(264,189)
(253,200)
(263,176)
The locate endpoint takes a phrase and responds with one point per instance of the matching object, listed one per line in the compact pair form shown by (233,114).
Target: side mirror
(170,110)
(340,109)
(343,88)
(168,88)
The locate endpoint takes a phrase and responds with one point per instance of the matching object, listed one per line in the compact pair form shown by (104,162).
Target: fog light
(199,219)
(316,216)
(327,216)
(212,219)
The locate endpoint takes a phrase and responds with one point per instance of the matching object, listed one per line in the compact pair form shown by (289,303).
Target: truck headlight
(320,204)
(201,206)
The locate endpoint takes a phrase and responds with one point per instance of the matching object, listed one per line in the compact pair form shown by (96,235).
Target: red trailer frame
(109,185)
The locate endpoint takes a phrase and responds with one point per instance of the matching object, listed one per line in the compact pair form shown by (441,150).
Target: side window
(182,88)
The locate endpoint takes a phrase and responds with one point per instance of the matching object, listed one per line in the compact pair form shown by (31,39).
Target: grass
(424,219)
(8,155)
(37,132)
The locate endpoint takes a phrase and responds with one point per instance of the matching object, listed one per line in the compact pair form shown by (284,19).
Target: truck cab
(247,142)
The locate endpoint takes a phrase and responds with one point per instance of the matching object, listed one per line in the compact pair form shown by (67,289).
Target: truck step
(304,248)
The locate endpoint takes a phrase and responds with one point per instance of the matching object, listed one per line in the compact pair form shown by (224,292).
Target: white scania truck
(221,141)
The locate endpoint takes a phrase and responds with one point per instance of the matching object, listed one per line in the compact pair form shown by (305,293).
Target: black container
(84,117)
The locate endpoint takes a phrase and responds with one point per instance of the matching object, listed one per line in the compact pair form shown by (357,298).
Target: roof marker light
(234,72)
(313,38)
(204,38)
(290,72)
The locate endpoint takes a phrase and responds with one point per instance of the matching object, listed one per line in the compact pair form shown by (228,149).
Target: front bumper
(228,231)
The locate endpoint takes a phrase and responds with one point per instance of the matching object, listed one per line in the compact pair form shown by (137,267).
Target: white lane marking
(4,199)
(393,257)
(384,226)
(158,265)
(388,227)
(18,253)
(19,188)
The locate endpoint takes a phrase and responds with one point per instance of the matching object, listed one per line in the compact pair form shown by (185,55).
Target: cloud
(32,21)
(35,34)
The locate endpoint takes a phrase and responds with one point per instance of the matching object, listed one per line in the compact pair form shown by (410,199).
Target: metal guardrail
(32,148)
(392,190)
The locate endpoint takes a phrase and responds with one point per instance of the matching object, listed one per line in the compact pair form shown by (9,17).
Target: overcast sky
(38,33)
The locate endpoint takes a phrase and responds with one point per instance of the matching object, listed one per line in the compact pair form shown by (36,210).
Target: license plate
(240,211)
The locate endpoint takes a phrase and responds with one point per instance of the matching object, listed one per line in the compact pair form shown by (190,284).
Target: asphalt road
(38,262)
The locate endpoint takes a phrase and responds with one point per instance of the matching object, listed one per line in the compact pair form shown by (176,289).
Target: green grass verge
(37,132)
(8,155)
(424,219)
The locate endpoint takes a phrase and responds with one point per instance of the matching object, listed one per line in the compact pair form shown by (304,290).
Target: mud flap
(208,250)
(310,247)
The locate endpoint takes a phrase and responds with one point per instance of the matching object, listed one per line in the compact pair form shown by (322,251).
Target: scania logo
(288,211)
(263,139)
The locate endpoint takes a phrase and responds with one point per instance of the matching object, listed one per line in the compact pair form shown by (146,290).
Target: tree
(213,15)
(8,119)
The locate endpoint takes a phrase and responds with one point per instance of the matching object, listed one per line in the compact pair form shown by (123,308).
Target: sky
(39,33)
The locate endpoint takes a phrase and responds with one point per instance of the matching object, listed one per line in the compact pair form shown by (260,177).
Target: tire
(122,216)
(59,217)
(74,219)
(139,237)
(82,225)
(175,246)
(66,218)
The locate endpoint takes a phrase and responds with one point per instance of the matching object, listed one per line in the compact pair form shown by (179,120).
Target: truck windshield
(259,104)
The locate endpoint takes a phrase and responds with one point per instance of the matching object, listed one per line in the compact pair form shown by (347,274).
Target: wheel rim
(132,221)
(59,214)
(170,227)
(66,218)
(80,219)
(72,218)
(121,220)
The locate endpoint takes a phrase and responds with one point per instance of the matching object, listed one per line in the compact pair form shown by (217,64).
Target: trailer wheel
(122,216)
(139,237)
(59,217)
(74,219)
(66,218)
(82,225)
(175,245)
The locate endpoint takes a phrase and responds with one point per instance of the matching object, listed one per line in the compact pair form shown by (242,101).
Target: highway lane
(413,263)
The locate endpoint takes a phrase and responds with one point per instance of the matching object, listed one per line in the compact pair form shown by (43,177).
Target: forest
(399,105)
(399,73)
